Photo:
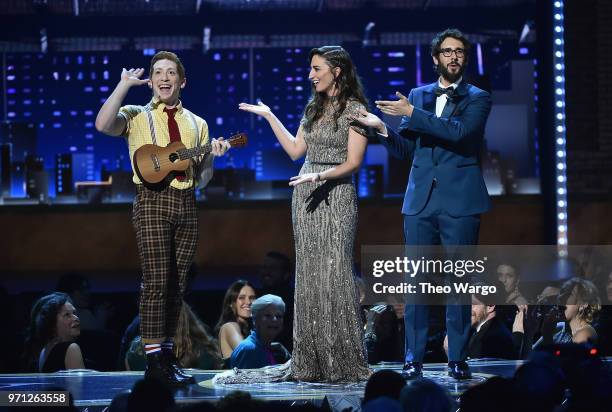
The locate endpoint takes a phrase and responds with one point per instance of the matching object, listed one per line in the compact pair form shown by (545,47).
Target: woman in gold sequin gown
(328,331)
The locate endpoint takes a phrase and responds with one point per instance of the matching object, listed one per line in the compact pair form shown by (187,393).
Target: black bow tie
(449,91)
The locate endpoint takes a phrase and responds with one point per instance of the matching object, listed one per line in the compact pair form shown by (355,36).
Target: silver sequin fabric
(328,343)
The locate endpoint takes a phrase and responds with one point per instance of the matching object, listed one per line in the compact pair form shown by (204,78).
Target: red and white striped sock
(152,348)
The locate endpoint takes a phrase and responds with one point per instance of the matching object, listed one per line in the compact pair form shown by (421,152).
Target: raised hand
(368,119)
(132,77)
(518,324)
(259,109)
(401,107)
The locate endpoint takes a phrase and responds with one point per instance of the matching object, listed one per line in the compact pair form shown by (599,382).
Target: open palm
(132,77)
(259,109)
(368,119)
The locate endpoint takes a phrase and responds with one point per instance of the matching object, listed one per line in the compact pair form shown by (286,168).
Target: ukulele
(154,163)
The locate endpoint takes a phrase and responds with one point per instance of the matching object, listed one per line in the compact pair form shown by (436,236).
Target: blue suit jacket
(445,150)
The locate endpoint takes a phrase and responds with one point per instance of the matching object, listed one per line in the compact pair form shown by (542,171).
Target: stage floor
(93,391)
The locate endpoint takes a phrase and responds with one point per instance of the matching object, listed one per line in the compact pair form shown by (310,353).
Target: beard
(451,77)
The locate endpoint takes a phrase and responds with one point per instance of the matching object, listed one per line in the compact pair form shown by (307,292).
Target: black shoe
(459,370)
(159,369)
(412,370)
(174,364)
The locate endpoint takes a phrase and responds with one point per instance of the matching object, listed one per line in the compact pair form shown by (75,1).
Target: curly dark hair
(227,314)
(43,326)
(455,34)
(347,82)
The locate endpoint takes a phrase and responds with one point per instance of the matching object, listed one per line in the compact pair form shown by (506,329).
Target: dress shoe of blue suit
(412,370)
(459,370)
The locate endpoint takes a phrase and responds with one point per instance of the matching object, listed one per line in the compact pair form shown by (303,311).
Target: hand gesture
(368,119)
(219,146)
(132,77)
(259,109)
(306,177)
(401,107)
(518,325)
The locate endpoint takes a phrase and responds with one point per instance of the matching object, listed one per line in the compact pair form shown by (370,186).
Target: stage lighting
(560,130)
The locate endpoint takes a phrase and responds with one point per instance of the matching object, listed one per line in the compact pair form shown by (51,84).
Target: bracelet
(318,177)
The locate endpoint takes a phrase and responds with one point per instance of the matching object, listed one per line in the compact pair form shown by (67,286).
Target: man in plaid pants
(164,218)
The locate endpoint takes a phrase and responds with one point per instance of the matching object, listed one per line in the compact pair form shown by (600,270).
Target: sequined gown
(328,343)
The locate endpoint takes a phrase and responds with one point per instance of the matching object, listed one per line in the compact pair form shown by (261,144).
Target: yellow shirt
(138,132)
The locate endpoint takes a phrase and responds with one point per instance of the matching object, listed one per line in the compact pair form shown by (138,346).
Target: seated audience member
(234,324)
(539,384)
(490,337)
(496,394)
(383,383)
(193,346)
(384,333)
(100,343)
(425,395)
(276,277)
(256,350)
(509,277)
(54,326)
(150,395)
(581,300)
(581,306)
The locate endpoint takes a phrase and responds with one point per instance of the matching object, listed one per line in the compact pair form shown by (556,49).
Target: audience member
(54,326)
(496,394)
(100,343)
(150,395)
(490,337)
(235,322)
(276,277)
(425,395)
(539,384)
(256,350)
(193,346)
(581,300)
(383,383)
(509,277)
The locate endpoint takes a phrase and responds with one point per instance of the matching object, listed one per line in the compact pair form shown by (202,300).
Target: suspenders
(194,123)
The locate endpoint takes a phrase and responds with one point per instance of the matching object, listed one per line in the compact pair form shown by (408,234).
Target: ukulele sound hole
(174,157)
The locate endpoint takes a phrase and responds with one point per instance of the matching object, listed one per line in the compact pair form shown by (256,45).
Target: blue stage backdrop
(49,141)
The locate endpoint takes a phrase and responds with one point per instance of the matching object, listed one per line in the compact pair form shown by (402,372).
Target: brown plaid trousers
(166,225)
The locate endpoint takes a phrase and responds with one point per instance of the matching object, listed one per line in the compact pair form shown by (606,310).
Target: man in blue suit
(442,130)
